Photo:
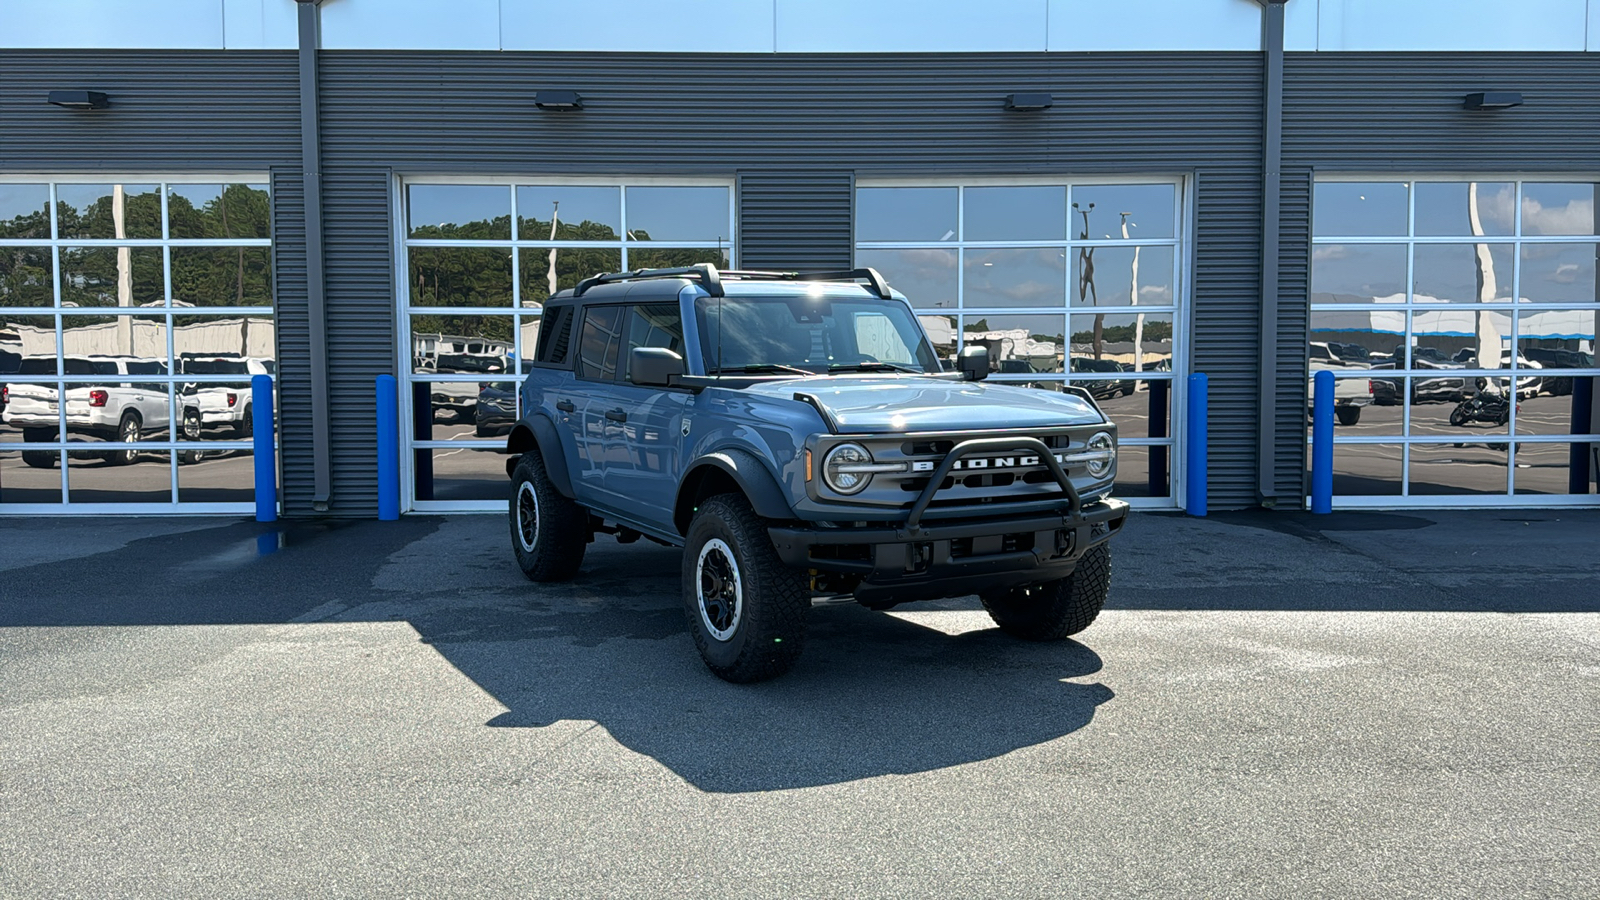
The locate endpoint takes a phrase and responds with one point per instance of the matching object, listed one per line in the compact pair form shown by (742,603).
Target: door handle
(616,415)
(566,406)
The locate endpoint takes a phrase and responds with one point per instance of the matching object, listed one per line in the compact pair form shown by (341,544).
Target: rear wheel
(191,432)
(128,431)
(549,532)
(40,459)
(1056,609)
(746,609)
(1348,415)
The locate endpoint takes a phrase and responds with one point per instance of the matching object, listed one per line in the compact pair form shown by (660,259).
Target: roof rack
(874,281)
(706,273)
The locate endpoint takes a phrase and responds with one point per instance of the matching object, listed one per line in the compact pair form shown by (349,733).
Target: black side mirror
(654,366)
(974,363)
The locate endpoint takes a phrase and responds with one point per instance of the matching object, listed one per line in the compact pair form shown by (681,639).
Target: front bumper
(900,563)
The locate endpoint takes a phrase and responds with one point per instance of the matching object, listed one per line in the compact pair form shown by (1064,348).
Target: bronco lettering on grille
(987,463)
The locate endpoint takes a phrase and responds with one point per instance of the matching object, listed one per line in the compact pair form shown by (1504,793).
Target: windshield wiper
(874,367)
(756,368)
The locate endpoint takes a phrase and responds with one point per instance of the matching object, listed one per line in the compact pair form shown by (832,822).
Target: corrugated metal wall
(294,337)
(796,220)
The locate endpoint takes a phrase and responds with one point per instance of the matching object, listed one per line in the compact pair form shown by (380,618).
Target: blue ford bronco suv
(798,436)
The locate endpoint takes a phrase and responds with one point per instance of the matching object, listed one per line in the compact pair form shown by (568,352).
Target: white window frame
(165,243)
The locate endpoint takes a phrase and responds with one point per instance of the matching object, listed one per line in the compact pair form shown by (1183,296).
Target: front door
(648,422)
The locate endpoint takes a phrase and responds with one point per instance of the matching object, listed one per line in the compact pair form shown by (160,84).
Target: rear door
(592,397)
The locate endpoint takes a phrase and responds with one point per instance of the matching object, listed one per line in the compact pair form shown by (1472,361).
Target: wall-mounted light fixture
(78,99)
(1491,100)
(562,100)
(1028,102)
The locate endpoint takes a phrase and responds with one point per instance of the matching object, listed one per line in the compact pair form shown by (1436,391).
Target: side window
(555,337)
(653,325)
(599,342)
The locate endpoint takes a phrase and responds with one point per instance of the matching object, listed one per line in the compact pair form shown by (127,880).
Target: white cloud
(1331,251)
(1576,217)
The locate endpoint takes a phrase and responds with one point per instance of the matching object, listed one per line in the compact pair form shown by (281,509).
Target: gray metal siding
(795,126)
(1294,287)
(294,338)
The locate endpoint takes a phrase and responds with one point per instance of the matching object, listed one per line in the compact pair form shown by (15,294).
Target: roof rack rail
(875,282)
(706,273)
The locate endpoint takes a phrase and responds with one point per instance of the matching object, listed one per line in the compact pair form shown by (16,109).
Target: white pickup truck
(1349,394)
(103,406)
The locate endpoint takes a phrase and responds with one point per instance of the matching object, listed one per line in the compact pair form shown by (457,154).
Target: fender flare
(766,497)
(539,433)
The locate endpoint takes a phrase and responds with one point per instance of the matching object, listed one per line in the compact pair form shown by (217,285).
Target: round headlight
(1101,443)
(838,462)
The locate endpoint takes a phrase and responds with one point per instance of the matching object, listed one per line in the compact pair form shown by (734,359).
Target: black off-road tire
(1057,609)
(549,544)
(765,631)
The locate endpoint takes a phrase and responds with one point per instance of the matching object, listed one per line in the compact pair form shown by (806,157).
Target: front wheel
(549,532)
(746,609)
(1056,609)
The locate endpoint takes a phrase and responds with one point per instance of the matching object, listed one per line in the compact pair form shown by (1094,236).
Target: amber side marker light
(808,465)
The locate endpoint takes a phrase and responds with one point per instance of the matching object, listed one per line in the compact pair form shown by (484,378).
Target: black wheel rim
(719,589)
(527,517)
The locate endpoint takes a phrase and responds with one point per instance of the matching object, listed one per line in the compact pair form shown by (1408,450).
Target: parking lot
(1275,705)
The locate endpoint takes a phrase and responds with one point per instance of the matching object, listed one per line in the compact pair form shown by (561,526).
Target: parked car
(1102,388)
(1558,385)
(105,406)
(496,410)
(460,398)
(1349,394)
(224,405)
(799,438)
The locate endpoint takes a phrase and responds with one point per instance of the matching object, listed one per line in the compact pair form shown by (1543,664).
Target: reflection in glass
(1015,213)
(112,276)
(1545,414)
(1359,209)
(1355,338)
(668,258)
(1448,338)
(1558,341)
(131,338)
(906,214)
(926,276)
(111,409)
(1140,408)
(221,276)
(1122,276)
(216,476)
(1366,470)
(1358,273)
(478,346)
(577,213)
(25,274)
(1142,472)
(25,211)
(459,211)
(1452,469)
(1554,208)
(29,476)
(1018,344)
(106,477)
(218,211)
(678,214)
(1559,273)
(942,334)
(1462,273)
(1467,418)
(1113,337)
(460,276)
(107,211)
(1102,212)
(1551,469)
(460,410)
(464,473)
(1445,208)
(24,338)
(1025,277)
(250,337)
(569,265)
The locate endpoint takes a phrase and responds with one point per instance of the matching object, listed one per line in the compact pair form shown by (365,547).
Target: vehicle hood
(877,404)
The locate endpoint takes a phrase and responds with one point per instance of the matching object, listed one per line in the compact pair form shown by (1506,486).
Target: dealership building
(1114,195)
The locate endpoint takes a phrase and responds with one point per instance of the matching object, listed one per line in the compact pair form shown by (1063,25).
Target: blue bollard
(1199,387)
(1322,445)
(388,406)
(266,448)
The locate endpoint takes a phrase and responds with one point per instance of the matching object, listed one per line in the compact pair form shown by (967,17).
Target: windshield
(810,334)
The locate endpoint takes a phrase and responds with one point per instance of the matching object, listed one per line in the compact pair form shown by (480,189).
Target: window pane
(29,476)
(221,276)
(128,338)
(110,408)
(466,276)
(216,476)
(112,276)
(1548,468)
(572,265)
(1557,339)
(1030,277)
(25,274)
(1358,273)
(1366,470)
(1462,273)
(1110,276)
(653,325)
(218,211)
(664,258)
(1123,211)
(1358,209)
(105,476)
(478,346)
(1141,409)
(1142,472)
(600,342)
(941,331)
(32,338)
(906,214)
(927,277)
(1344,338)
(1110,338)
(1018,345)
(244,337)
(580,213)
(678,214)
(25,211)
(459,211)
(465,473)
(1552,414)
(1471,467)
(32,408)
(1016,214)
(1558,273)
(460,410)
(108,211)
(1444,208)
(1450,337)
(1557,208)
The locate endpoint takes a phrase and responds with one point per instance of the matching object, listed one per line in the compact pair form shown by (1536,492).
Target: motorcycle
(1491,408)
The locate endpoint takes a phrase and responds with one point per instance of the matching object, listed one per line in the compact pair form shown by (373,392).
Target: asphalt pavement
(1275,705)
